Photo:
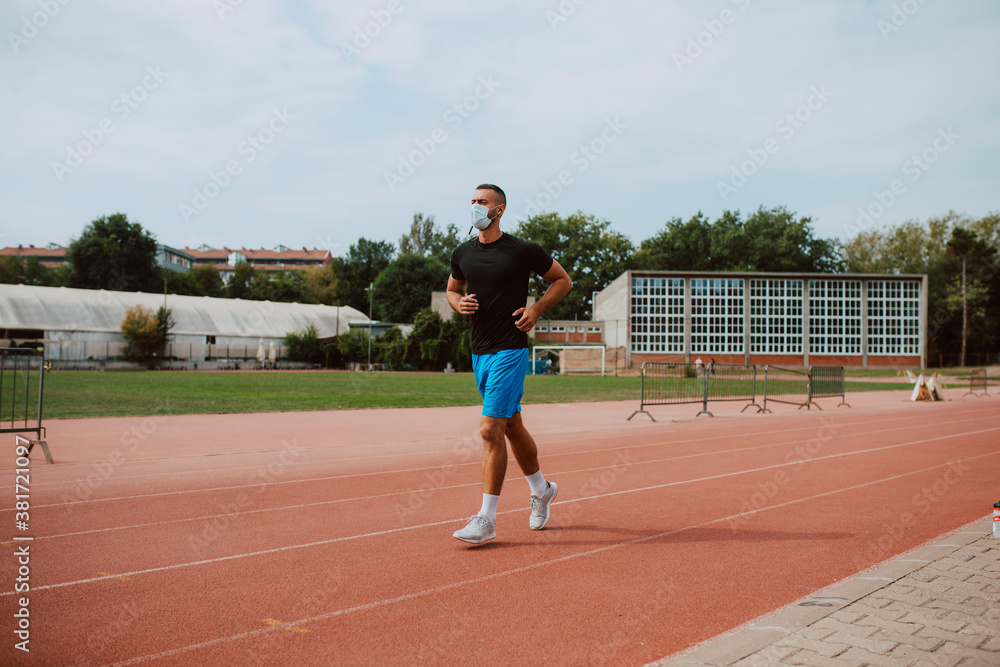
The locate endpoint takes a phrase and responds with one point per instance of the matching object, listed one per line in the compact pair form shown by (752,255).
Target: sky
(254,123)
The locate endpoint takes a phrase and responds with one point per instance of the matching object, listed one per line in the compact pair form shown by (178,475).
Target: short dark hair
(494,188)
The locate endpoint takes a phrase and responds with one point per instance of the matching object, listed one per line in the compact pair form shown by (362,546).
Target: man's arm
(559,284)
(464,303)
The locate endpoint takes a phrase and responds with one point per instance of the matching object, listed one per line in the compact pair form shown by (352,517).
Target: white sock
(489,509)
(537,483)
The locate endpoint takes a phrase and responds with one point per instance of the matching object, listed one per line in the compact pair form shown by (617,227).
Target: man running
(489,281)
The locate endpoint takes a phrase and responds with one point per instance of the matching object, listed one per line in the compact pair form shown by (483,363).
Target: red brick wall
(913,362)
(834,360)
(637,359)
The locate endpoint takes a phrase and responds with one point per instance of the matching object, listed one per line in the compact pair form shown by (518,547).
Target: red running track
(325,538)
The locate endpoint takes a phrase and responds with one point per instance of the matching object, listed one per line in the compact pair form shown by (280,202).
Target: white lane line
(406,492)
(308,480)
(572,500)
(506,573)
(314,462)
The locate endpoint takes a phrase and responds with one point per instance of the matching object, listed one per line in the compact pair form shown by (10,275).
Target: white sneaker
(540,506)
(477,531)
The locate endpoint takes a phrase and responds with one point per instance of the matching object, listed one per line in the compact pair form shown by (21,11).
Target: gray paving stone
(813,659)
(830,623)
(888,613)
(917,640)
(928,617)
(887,624)
(907,655)
(869,643)
(823,647)
(987,657)
(965,639)
(868,658)
(768,656)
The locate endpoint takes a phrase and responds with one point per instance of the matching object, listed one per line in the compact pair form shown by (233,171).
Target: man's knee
(491,429)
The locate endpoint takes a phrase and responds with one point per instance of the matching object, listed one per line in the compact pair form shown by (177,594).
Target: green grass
(108,394)
(92,394)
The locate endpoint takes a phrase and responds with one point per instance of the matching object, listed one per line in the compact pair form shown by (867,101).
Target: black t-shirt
(497,273)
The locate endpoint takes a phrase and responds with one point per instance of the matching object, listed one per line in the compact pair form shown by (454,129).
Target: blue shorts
(500,378)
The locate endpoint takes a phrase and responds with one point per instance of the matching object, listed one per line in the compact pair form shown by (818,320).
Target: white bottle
(996,520)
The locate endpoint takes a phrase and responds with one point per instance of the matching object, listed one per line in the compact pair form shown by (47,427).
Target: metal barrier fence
(977,383)
(679,383)
(22,384)
(785,385)
(827,382)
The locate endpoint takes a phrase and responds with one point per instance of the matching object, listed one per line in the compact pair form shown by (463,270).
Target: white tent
(63,309)
(80,324)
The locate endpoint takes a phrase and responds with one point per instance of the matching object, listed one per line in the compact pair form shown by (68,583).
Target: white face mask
(480,216)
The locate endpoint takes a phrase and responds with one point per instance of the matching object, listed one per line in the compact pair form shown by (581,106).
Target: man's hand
(468,304)
(526,318)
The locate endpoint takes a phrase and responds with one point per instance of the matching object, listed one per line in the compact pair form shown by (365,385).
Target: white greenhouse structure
(76,325)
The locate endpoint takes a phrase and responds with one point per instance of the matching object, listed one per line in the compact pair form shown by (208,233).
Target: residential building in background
(184,259)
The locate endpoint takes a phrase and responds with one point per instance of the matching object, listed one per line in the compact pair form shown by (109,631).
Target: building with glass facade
(767,318)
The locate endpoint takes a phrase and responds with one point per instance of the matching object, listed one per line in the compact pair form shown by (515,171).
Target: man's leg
(522,444)
(482,526)
(492,430)
(526,453)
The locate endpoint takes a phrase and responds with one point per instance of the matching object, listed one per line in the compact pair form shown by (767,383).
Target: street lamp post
(371,290)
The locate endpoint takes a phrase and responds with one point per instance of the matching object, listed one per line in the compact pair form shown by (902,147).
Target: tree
(966,246)
(320,284)
(679,246)
(353,345)
(394,349)
(241,282)
(404,287)
(458,334)
(305,346)
(359,268)
(774,240)
(285,286)
(426,240)
(147,334)
(113,253)
(923,248)
(769,240)
(591,252)
(207,280)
